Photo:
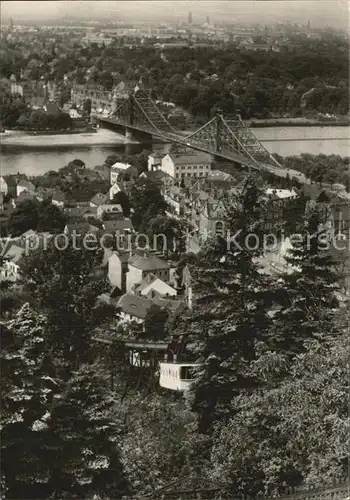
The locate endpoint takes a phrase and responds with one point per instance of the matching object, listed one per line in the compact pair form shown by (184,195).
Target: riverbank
(55,140)
(296,122)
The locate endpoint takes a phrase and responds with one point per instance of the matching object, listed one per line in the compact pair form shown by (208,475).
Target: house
(115,209)
(140,265)
(43,193)
(176,200)
(277,200)
(121,226)
(186,164)
(3,186)
(80,212)
(52,108)
(122,171)
(135,307)
(103,171)
(25,186)
(207,214)
(11,182)
(10,269)
(158,176)
(24,196)
(114,189)
(31,240)
(151,286)
(79,229)
(117,269)
(99,199)
(154,161)
(58,199)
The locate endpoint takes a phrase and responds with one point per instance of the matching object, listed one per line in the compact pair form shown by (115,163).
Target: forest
(269,394)
(200,80)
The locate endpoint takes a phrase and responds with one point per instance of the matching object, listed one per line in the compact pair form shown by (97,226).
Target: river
(36,155)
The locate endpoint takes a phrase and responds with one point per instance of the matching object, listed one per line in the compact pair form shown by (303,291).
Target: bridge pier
(136,135)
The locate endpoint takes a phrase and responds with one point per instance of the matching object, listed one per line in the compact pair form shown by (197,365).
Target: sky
(321,13)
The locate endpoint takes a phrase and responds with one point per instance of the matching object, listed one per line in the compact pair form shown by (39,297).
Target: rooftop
(281,193)
(99,199)
(117,225)
(120,166)
(197,158)
(137,305)
(14,253)
(27,185)
(148,262)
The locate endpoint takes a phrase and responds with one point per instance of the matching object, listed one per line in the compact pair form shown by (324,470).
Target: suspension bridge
(138,117)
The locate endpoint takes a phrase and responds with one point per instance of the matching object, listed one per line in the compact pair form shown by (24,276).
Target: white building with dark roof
(182,165)
(10,269)
(152,286)
(25,186)
(135,307)
(139,266)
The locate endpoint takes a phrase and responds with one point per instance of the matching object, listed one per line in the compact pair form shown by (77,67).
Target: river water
(36,155)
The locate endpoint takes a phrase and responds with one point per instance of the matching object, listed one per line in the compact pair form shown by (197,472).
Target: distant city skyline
(321,13)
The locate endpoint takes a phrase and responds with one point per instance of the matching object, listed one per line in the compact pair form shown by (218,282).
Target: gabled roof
(152,283)
(220,176)
(196,158)
(154,174)
(27,185)
(24,196)
(81,227)
(117,225)
(148,262)
(137,305)
(14,253)
(99,199)
(118,165)
(280,194)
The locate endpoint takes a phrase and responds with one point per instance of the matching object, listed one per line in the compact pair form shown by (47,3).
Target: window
(219,228)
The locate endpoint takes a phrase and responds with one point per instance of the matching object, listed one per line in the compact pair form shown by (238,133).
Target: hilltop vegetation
(201,80)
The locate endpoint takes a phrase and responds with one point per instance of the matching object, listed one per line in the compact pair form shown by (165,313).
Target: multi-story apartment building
(186,165)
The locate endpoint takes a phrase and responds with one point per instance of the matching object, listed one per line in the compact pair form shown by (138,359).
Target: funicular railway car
(176,371)
(171,360)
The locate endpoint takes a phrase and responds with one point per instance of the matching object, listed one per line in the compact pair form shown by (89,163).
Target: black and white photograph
(174,250)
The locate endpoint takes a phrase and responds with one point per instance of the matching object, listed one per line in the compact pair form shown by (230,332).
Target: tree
(27,389)
(154,446)
(141,161)
(262,454)
(87,107)
(147,202)
(66,284)
(87,461)
(24,217)
(165,226)
(231,301)
(50,218)
(122,199)
(58,440)
(307,293)
(155,321)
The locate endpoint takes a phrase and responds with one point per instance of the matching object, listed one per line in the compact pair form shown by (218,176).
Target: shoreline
(295,122)
(41,141)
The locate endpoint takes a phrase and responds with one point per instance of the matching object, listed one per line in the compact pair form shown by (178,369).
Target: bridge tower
(218,131)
